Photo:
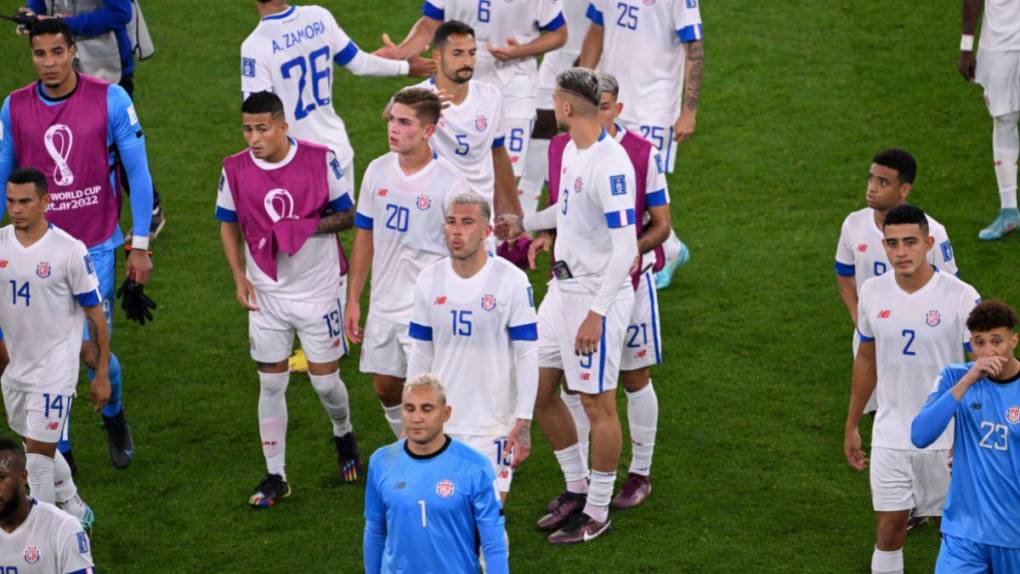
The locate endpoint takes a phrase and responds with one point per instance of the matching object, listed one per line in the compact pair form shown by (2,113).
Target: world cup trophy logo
(58,141)
(279,204)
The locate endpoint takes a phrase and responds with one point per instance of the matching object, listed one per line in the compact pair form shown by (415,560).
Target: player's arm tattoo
(90,348)
(523,435)
(336,222)
(696,67)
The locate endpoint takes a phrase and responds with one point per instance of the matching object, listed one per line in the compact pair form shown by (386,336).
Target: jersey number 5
(319,72)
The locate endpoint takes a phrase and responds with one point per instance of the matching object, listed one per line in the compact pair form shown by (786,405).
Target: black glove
(135,303)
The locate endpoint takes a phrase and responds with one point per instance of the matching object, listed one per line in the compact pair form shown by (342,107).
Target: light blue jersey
(983,505)
(429,514)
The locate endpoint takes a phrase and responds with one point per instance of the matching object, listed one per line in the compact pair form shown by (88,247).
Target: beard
(9,507)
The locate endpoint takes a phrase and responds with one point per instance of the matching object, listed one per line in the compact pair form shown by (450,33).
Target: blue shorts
(105,261)
(962,556)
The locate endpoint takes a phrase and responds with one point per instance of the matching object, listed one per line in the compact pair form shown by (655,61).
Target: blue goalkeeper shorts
(962,556)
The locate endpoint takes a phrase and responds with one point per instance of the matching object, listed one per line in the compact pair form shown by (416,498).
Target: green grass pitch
(749,471)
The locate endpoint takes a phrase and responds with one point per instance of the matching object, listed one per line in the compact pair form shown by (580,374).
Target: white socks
(1005,149)
(394,418)
(40,477)
(273,420)
(333,394)
(643,418)
(581,422)
(536,166)
(600,492)
(575,471)
(890,562)
(63,484)
(671,247)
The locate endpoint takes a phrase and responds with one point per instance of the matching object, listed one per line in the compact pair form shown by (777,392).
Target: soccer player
(48,290)
(671,31)
(583,319)
(467,134)
(536,164)
(981,524)
(513,34)
(911,322)
(429,503)
(75,129)
(474,313)
(860,254)
(997,69)
(280,205)
(37,536)
(404,195)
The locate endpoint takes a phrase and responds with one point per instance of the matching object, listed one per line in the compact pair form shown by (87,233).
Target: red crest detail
(578,184)
(481,123)
(884,314)
(933,318)
(489,302)
(43,270)
(31,554)
(1013,415)
(383,192)
(3,264)
(862,247)
(444,488)
(441,300)
(424,202)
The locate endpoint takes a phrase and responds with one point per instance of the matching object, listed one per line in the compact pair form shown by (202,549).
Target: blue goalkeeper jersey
(430,514)
(984,493)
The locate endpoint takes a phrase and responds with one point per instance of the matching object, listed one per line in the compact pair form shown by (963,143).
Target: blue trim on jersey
(656,198)
(603,135)
(88,299)
(844,270)
(556,23)
(363,222)
(281,15)
(690,33)
(428,9)
(617,219)
(602,355)
(594,14)
(650,282)
(342,203)
(527,332)
(84,571)
(345,56)
(1,334)
(420,332)
(499,142)
(864,338)
(226,215)
(968,348)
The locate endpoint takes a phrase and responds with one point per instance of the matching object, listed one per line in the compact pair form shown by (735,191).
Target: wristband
(967,43)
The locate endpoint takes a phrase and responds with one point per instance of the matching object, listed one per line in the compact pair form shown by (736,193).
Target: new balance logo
(441,300)
(884,314)
(976,406)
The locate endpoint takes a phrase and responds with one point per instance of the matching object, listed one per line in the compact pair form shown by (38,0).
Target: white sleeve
(365,212)
(686,20)
(614,191)
(545,219)
(255,73)
(971,298)
(523,330)
(81,275)
(656,188)
(339,185)
(863,316)
(845,258)
(550,15)
(941,254)
(74,552)
(365,64)
(420,330)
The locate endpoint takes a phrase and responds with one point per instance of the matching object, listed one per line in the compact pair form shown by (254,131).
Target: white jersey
(292,54)
(472,323)
(49,541)
(496,20)
(468,132)
(597,193)
(916,335)
(860,252)
(43,288)
(577,26)
(405,214)
(642,45)
(1000,26)
(311,274)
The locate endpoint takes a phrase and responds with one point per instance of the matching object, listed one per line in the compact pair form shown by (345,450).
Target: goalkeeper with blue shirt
(431,500)
(981,520)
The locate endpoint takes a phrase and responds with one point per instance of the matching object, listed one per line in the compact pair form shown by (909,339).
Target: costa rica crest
(578,184)
(32,554)
(424,202)
(43,270)
(444,488)
(933,318)
(489,302)
(1013,415)
(481,123)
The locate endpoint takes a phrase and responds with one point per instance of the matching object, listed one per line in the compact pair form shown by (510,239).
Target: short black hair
(8,444)
(49,26)
(989,315)
(24,175)
(263,103)
(580,82)
(900,160)
(906,214)
(451,28)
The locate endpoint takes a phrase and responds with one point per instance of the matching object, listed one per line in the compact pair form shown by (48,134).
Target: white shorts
(872,405)
(552,64)
(559,316)
(642,345)
(905,479)
(999,74)
(318,324)
(518,118)
(39,416)
(493,448)
(385,348)
(662,137)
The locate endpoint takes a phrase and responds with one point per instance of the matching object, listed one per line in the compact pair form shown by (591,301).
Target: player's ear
(905,191)
(447,411)
(430,129)
(619,108)
(929,242)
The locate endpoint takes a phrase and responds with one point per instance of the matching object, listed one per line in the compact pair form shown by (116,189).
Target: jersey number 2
(319,72)
(909,334)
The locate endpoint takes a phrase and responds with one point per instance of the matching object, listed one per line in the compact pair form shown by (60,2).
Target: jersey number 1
(424,522)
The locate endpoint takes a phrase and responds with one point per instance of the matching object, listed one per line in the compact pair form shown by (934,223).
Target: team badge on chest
(43,270)
(424,202)
(1013,415)
(933,318)
(444,488)
(481,123)
(488,302)
(578,184)
(31,555)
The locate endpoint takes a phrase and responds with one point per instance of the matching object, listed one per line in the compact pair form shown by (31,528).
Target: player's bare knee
(37,447)
(273,368)
(322,369)
(891,530)
(388,389)
(634,381)
(599,407)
